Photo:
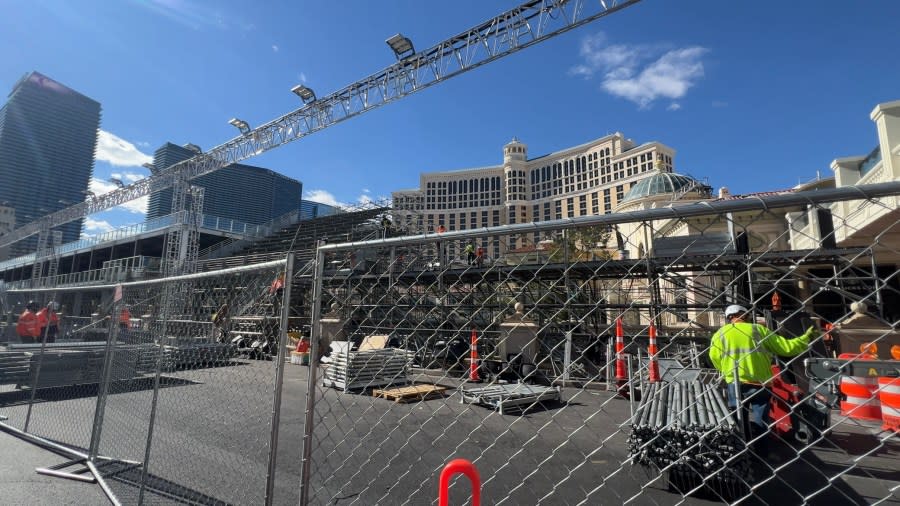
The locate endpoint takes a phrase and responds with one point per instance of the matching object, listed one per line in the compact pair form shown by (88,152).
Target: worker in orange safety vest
(48,322)
(27,327)
(124,318)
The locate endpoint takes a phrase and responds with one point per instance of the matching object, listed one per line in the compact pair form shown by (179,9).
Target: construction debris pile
(687,429)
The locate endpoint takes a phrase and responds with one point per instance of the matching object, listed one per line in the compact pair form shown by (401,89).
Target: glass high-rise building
(48,135)
(239,192)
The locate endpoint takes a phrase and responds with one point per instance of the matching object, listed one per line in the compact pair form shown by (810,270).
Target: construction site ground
(405,440)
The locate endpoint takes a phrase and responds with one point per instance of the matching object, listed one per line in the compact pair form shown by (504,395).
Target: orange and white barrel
(861,393)
(889,394)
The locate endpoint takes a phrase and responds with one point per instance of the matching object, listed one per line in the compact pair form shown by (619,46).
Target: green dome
(661,183)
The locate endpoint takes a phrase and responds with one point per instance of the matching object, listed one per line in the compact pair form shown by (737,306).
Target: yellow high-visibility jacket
(751,345)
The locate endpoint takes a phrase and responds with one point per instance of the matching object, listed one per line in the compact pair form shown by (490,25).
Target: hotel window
(582,205)
(620,193)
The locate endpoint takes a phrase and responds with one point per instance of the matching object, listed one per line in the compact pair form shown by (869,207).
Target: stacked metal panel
(357,370)
(517,396)
(14,366)
(687,429)
(197,355)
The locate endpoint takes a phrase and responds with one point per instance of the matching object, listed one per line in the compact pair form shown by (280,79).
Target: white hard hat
(735,309)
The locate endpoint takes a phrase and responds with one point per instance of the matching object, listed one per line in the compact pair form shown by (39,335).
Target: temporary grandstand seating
(350,226)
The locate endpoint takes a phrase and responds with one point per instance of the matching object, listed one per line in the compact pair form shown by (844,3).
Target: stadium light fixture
(401,46)
(240,124)
(305,93)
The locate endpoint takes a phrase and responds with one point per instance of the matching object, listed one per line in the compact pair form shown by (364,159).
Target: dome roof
(661,183)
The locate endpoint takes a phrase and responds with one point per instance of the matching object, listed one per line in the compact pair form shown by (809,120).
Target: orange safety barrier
(889,395)
(454,467)
(861,393)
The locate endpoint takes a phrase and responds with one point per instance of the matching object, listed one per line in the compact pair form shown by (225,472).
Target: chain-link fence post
(106,375)
(279,376)
(37,375)
(158,344)
(314,337)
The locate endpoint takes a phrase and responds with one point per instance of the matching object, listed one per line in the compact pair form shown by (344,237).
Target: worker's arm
(783,346)
(715,351)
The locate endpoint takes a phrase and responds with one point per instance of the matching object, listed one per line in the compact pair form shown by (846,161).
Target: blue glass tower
(239,192)
(48,135)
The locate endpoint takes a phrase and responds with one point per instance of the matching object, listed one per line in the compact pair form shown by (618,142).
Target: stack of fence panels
(14,366)
(359,370)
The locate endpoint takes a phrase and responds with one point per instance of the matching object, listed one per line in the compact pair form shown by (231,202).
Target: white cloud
(674,106)
(275,48)
(94,227)
(119,152)
(128,177)
(323,197)
(640,73)
(99,187)
(326,197)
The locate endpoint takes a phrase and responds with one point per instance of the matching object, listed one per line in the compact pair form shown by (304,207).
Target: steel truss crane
(523,26)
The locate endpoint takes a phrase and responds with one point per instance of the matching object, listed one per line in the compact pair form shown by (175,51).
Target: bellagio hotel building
(591,178)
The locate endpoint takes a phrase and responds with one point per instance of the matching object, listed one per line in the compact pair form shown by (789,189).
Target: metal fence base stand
(77,458)
(88,474)
(78,475)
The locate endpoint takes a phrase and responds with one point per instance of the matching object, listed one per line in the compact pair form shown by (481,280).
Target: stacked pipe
(687,429)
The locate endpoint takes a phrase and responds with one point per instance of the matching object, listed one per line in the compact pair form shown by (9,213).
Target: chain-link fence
(575,363)
(167,390)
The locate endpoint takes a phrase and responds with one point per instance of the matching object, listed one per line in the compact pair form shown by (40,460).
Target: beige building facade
(588,179)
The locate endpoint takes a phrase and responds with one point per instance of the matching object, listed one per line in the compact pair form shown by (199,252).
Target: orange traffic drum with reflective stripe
(889,394)
(861,393)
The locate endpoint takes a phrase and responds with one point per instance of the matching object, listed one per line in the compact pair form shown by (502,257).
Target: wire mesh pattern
(174,402)
(602,423)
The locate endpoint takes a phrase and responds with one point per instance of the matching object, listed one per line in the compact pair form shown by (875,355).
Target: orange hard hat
(895,352)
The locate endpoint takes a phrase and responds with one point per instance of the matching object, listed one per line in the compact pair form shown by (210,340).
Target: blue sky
(752,96)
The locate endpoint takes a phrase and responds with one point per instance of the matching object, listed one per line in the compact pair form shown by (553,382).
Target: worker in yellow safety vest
(751,346)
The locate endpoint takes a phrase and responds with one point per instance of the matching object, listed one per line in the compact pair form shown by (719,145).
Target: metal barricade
(179,402)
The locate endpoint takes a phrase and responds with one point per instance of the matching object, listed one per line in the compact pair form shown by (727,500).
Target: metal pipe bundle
(687,429)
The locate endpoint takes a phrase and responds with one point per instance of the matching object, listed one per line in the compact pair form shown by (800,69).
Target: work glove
(811,333)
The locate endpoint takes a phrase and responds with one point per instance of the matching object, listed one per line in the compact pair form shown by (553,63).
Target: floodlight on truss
(305,93)
(401,46)
(240,124)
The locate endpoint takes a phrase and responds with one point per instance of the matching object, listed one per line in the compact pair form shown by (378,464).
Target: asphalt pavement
(211,436)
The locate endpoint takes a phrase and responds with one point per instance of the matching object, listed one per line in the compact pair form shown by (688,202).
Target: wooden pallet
(410,393)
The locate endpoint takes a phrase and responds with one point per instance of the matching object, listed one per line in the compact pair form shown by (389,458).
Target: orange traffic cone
(652,351)
(621,372)
(473,357)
